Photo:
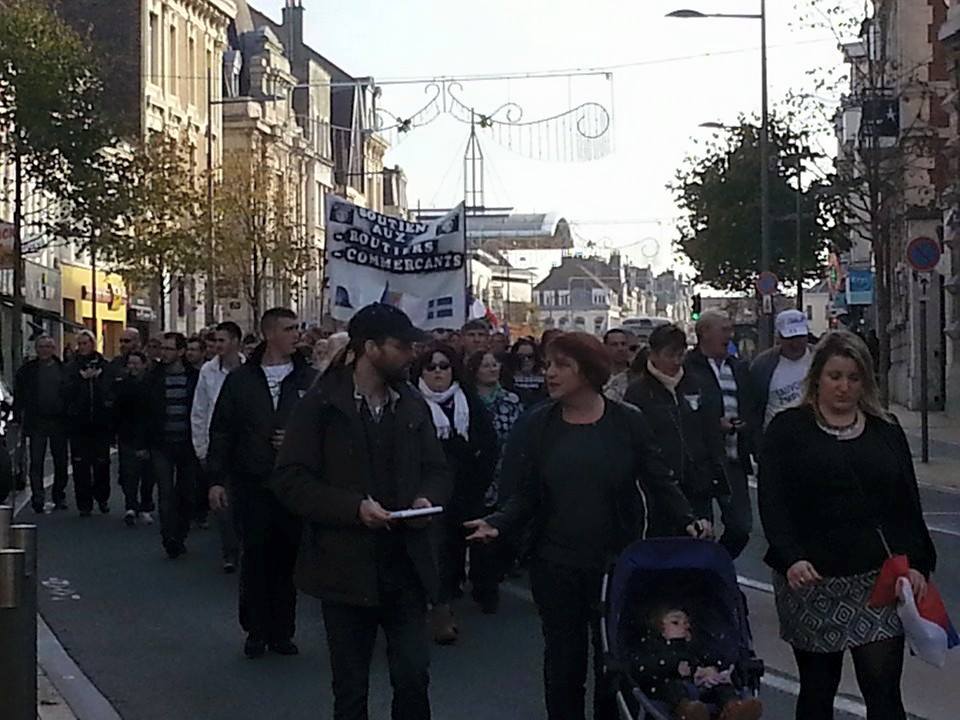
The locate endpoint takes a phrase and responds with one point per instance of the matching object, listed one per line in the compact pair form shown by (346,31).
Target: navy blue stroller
(691,573)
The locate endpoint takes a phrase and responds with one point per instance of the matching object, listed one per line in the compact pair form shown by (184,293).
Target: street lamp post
(766,330)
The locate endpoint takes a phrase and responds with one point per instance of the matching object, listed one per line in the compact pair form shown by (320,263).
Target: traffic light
(696,307)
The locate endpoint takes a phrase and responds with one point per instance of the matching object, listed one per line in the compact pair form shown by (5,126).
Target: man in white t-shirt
(780,373)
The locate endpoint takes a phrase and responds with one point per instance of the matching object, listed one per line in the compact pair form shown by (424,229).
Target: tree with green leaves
(718,192)
(161,235)
(259,244)
(51,129)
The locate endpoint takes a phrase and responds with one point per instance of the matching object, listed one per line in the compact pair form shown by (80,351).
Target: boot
(443,625)
(749,709)
(691,710)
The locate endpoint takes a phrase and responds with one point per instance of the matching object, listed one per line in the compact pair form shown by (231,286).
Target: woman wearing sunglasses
(469,441)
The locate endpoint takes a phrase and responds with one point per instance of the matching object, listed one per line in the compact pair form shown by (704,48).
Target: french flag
(926,625)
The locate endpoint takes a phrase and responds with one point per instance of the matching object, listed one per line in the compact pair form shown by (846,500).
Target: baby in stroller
(673,668)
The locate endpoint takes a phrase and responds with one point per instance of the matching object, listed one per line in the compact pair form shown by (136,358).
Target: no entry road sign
(923,254)
(767,283)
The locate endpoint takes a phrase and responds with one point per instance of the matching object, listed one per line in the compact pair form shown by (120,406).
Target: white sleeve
(200,416)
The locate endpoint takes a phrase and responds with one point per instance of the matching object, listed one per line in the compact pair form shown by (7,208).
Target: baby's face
(676,625)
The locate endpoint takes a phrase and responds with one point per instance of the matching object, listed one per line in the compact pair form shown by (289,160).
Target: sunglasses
(433,367)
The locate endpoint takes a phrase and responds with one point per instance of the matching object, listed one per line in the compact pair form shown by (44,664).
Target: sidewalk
(50,706)
(943,470)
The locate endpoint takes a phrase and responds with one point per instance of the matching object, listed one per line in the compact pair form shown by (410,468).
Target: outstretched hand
(483,531)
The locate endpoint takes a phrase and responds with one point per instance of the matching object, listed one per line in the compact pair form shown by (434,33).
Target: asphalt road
(160,639)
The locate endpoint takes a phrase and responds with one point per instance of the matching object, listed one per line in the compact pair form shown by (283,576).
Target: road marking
(763,587)
(943,531)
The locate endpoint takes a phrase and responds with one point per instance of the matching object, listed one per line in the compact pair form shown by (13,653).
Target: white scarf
(670,383)
(461,411)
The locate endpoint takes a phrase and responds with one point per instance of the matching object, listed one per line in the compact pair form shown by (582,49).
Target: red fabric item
(885,589)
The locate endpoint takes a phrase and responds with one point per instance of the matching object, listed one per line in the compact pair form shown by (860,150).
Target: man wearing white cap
(779,373)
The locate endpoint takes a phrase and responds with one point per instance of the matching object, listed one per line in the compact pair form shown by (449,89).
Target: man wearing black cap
(247,429)
(360,445)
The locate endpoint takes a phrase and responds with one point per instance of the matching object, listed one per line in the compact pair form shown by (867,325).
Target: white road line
(943,531)
(746,582)
(951,513)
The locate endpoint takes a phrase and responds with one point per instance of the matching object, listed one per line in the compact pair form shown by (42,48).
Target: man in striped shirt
(728,391)
(171,452)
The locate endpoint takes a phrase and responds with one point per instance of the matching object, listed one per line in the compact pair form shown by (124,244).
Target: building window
(599,296)
(548,298)
(548,322)
(809,312)
(598,324)
(563,322)
(580,322)
(192,65)
(154,49)
(564,297)
(172,61)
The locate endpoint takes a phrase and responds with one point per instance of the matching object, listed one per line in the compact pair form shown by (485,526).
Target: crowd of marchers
(546,456)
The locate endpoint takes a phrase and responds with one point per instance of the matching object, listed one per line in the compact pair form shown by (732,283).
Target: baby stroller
(694,573)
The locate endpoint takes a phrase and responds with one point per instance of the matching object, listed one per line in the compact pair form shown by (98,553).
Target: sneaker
(104,507)
(146,518)
(39,509)
(130,518)
(254,647)
(284,647)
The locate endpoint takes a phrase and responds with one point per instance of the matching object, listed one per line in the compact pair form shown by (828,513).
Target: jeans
(48,431)
(136,478)
(736,510)
(175,469)
(568,600)
(351,634)
(90,455)
(270,536)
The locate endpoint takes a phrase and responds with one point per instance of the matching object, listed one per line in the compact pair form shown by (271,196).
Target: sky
(668,76)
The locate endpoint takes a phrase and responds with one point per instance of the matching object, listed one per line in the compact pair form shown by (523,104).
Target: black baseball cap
(380,321)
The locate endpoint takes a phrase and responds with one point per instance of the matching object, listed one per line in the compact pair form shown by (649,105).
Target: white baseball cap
(792,323)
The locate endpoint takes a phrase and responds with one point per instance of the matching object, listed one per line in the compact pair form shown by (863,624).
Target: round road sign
(767,283)
(923,254)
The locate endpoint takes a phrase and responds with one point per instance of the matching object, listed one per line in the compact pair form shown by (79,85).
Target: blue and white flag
(421,267)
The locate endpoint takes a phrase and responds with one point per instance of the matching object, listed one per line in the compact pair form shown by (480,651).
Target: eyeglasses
(434,367)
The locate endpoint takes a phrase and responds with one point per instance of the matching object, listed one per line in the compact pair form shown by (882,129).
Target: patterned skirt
(833,615)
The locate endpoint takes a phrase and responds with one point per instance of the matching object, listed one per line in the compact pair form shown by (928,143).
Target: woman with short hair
(838,494)
(581,461)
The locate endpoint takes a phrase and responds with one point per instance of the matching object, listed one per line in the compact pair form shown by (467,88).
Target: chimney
(293,27)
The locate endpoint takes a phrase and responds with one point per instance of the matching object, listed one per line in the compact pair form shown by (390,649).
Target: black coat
(749,409)
(26,393)
(472,462)
(323,473)
(686,432)
(156,409)
(88,402)
(244,420)
(524,510)
(131,398)
(811,499)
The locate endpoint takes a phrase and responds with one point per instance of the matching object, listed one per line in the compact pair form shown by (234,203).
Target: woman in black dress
(838,494)
(581,463)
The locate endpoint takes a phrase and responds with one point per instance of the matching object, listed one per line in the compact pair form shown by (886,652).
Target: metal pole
(24,538)
(799,269)
(924,410)
(6,518)
(210,296)
(93,290)
(16,345)
(766,333)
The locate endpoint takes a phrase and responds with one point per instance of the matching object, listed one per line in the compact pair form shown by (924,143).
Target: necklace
(844,432)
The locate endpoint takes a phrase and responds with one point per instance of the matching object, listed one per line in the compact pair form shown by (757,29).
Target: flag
(926,624)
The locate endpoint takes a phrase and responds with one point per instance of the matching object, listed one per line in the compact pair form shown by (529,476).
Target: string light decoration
(578,134)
